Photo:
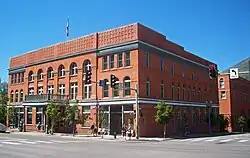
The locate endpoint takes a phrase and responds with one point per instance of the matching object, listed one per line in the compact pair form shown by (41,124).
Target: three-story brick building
(136,55)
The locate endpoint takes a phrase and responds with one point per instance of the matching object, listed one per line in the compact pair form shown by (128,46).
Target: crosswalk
(32,142)
(219,140)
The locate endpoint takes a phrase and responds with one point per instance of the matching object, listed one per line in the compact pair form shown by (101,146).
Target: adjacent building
(139,57)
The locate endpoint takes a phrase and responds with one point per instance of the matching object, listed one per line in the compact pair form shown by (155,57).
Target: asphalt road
(25,146)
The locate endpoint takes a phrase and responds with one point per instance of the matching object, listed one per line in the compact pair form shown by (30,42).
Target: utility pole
(209,104)
(137,111)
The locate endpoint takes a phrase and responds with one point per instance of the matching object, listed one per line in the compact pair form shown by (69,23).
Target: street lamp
(209,104)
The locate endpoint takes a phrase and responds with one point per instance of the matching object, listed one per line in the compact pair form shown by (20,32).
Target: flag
(67,28)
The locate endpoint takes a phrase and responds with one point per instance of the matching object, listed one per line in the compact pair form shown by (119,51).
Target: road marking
(12,140)
(198,139)
(185,140)
(242,141)
(226,140)
(11,143)
(40,141)
(211,140)
(58,141)
(27,142)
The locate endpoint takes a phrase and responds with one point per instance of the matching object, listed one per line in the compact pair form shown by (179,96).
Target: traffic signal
(113,80)
(212,72)
(88,74)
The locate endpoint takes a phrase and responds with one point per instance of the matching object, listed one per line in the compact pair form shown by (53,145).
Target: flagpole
(67,30)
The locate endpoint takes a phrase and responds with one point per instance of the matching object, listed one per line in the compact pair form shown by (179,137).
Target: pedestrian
(124,131)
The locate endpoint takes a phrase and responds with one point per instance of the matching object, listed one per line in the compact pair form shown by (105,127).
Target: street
(28,146)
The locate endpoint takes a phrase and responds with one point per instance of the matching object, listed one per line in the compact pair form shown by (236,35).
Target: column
(109,121)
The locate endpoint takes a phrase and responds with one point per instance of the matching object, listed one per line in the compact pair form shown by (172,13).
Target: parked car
(3,128)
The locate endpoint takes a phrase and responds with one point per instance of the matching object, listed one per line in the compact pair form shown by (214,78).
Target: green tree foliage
(242,121)
(3,107)
(53,113)
(10,114)
(102,118)
(164,114)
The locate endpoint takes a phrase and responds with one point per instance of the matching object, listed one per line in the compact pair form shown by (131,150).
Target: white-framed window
(73,90)
(18,77)
(31,76)
(61,71)
(73,69)
(61,89)
(222,84)
(112,61)
(115,90)
(119,60)
(126,83)
(127,59)
(86,65)
(16,96)
(148,87)
(105,92)
(22,77)
(51,89)
(147,59)
(162,65)
(21,95)
(223,95)
(162,89)
(40,90)
(104,62)
(87,91)
(40,74)
(12,78)
(31,91)
(50,73)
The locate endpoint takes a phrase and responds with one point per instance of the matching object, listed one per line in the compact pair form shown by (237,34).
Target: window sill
(73,75)
(120,68)
(61,77)
(13,84)
(50,79)
(85,127)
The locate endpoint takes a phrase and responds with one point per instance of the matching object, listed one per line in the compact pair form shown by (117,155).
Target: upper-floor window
(148,87)
(126,83)
(31,91)
(86,65)
(105,89)
(40,74)
(73,90)
(21,95)
(112,61)
(178,92)
(119,60)
(172,90)
(87,91)
(183,71)
(61,89)
(223,95)
(16,96)
(183,92)
(147,59)
(12,78)
(22,77)
(104,62)
(127,59)
(116,90)
(222,84)
(61,71)
(162,65)
(162,89)
(192,75)
(50,73)
(31,76)
(40,90)
(18,77)
(172,68)
(189,93)
(51,89)
(12,97)
(15,78)
(73,69)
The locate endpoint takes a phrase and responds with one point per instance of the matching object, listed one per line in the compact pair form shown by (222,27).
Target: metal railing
(46,97)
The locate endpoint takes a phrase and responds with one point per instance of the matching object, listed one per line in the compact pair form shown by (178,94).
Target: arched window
(172,90)
(106,89)
(16,96)
(11,96)
(148,87)
(222,84)
(50,73)
(40,74)
(189,95)
(183,92)
(178,92)
(116,90)
(73,69)
(86,65)
(61,71)
(21,95)
(162,89)
(126,82)
(31,76)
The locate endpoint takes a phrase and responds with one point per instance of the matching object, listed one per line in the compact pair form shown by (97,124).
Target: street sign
(234,73)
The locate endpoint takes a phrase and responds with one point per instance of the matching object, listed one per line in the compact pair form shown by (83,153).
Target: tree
(3,106)
(102,118)
(10,114)
(242,121)
(53,113)
(163,115)
(71,116)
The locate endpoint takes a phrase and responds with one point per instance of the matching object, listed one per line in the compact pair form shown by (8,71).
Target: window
(29,115)
(183,93)
(106,89)
(116,91)
(39,115)
(200,117)
(15,78)
(31,91)
(147,59)
(21,95)
(162,89)
(178,93)
(61,71)
(172,69)
(199,94)
(31,76)
(126,83)
(12,78)
(40,74)
(223,95)
(16,96)
(86,65)
(50,73)
(194,116)
(162,65)
(19,78)
(111,61)
(189,91)
(192,75)
(172,90)
(183,71)
(119,60)
(222,85)
(87,91)
(73,90)
(73,69)
(22,77)
(40,90)
(198,76)
(12,96)
(127,59)
(51,89)
(61,89)
(148,87)
(104,62)
(86,115)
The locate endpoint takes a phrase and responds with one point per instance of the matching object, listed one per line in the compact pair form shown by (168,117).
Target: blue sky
(218,30)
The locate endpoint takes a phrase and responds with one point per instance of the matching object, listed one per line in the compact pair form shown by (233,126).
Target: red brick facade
(234,99)
(135,54)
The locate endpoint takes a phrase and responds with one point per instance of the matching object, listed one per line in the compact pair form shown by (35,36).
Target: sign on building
(234,73)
